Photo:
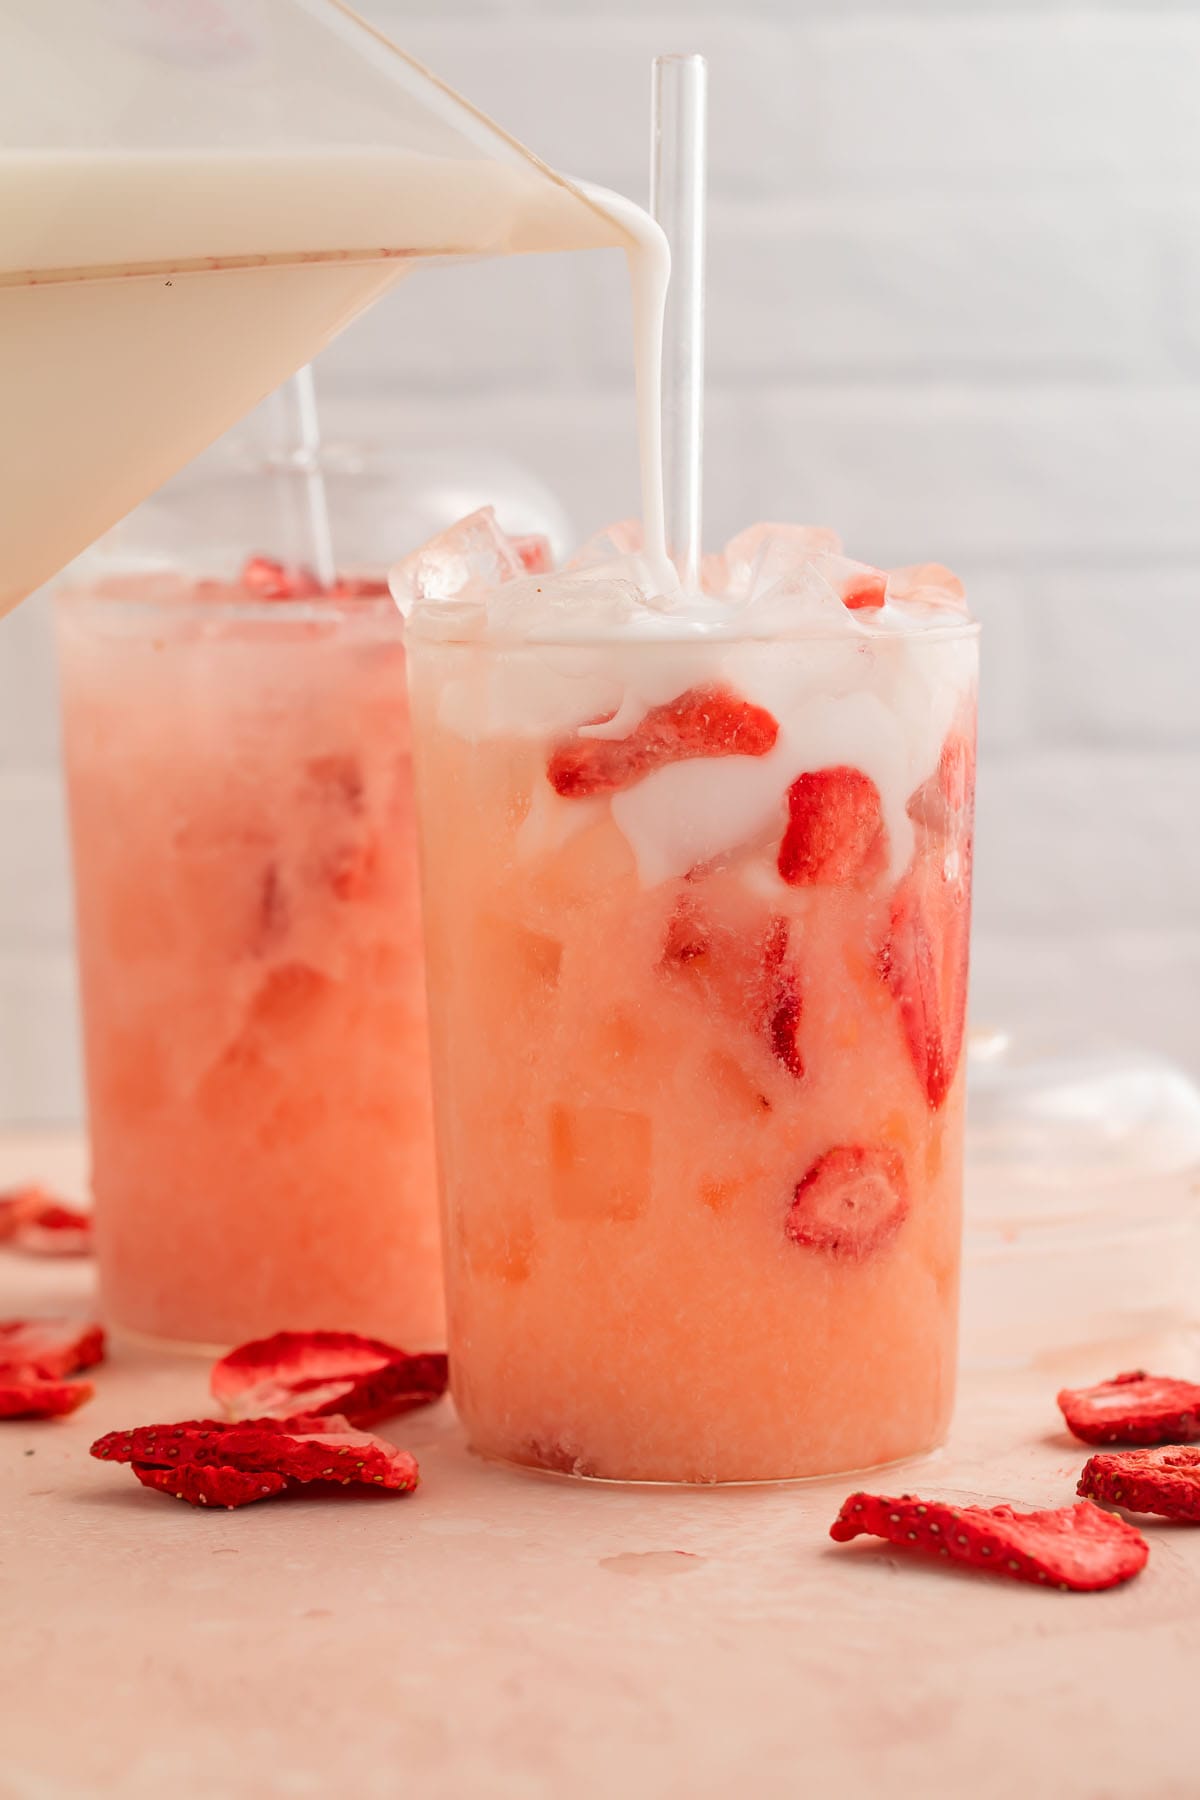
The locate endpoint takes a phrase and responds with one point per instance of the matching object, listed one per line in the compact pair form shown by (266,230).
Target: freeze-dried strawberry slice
(1164,1481)
(1078,1547)
(30,1397)
(835,832)
(710,721)
(264,1445)
(924,962)
(35,1221)
(267,579)
(326,1371)
(1133,1408)
(200,1440)
(211,1485)
(784,1005)
(865,592)
(851,1202)
(534,552)
(738,960)
(49,1347)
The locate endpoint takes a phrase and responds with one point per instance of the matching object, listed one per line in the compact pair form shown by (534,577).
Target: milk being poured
(166,260)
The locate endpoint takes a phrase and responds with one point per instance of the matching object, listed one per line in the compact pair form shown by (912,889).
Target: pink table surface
(503,1635)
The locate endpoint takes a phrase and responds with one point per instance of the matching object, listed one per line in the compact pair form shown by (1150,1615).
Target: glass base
(913,1458)
(163,1346)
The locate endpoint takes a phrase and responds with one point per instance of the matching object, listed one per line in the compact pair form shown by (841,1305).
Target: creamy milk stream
(173,245)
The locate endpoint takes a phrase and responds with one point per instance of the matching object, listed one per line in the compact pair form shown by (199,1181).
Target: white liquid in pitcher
(149,299)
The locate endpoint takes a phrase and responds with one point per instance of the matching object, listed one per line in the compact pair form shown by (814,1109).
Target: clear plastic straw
(306,540)
(678,182)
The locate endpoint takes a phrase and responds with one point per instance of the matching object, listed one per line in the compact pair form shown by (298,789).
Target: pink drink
(697,885)
(249,944)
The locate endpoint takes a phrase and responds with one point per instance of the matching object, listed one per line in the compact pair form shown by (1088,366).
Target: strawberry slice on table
(205,1485)
(1078,1547)
(40,1224)
(852,1201)
(49,1348)
(835,832)
(31,1397)
(1133,1408)
(326,1372)
(1165,1481)
(269,1448)
(707,721)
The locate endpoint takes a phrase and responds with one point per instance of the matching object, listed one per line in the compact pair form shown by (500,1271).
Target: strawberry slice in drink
(737,958)
(835,832)
(924,962)
(711,721)
(925,953)
(852,1201)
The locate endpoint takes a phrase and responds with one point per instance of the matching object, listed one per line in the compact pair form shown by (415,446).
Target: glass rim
(241,608)
(960,630)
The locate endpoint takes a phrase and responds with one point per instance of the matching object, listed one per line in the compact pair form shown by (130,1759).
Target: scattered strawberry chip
(1164,1481)
(1076,1547)
(851,1202)
(49,1348)
(31,1397)
(835,832)
(38,1223)
(326,1371)
(1133,1408)
(272,1448)
(212,1485)
(702,722)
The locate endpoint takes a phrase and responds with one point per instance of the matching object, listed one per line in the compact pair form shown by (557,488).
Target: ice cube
(760,555)
(599,1163)
(462,564)
(559,606)
(625,538)
(925,587)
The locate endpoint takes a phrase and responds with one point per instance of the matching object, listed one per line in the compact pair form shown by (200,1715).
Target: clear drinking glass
(250,959)
(697,1021)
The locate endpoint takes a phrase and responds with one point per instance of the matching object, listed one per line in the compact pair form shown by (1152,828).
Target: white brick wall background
(954,310)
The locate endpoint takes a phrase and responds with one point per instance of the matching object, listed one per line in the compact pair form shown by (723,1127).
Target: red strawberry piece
(326,1371)
(865,592)
(946,802)
(25,1396)
(211,1485)
(851,1202)
(37,1222)
(270,580)
(49,1348)
(1133,1408)
(924,962)
(835,832)
(702,722)
(738,961)
(55,1229)
(264,1446)
(1078,1547)
(359,587)
(534,553)
(1164,1481)
(784,1004)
